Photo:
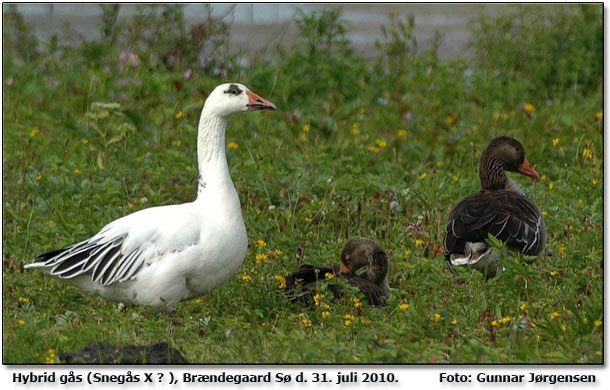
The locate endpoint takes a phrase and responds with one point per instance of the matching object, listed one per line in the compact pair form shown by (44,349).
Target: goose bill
(528,170)
(256,102)
(344,269)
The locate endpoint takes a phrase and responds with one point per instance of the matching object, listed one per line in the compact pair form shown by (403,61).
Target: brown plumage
(357,253)
(500,209)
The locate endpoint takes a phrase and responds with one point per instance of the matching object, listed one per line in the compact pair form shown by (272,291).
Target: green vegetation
(381,149)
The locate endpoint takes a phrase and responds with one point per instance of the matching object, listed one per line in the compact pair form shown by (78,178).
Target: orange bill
(256,102)
(528,170)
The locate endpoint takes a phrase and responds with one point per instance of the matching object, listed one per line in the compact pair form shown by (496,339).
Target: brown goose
(357,253)
(500,208)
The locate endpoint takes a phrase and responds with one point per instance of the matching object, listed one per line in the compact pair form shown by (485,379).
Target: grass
(331,163)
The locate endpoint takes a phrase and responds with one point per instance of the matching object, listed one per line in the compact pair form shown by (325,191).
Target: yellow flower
(21,322)
(176,142)
(564,328)
(130,206)
(504,116)
(85,141)
(544,213)
(543,178)
(38,177)
(260,257)
(264,324)
(364,320)
(325,314)
(579,200)
(402,134)
(451,119)
(233,145)
(597,323)
(317,298)
(555,141)
(419,242)
(504,320)
(50,358)
(436,317)
(586,153)
(278,252)
(594,181)
(23,300)
(585,320)
(306,322)
(302,137)
(355,129)
(179,114)
(306,128)
(260,243)
(404,306)
(381,143)
(361,110)
(495,323)
(454,322)
(554,315)
(246,278)
(423,175)
(356,302)
(455,178)
(439,164)
(529,107)
(523,306)
(408,252)
(348,319)
(554,273)
(282,280)
(354,357)
(76,171)
(49,222)
(551,185)
(496,116)
(372,149)
(34,133)
(329,275)
(599,115)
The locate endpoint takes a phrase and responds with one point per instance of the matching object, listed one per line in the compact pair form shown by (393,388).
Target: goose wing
(507,215)
(300,285)
(122,247)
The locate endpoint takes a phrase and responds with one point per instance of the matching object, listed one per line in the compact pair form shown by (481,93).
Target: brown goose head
(359,252)
(503,154)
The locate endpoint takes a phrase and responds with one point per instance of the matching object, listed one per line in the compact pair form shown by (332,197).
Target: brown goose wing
(374,294)
(300,285)
(507,215)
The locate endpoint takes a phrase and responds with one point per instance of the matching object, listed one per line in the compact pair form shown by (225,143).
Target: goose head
(232,98)
(503,154)
(360,252)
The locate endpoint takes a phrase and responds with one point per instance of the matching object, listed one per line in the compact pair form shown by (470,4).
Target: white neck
(211,154)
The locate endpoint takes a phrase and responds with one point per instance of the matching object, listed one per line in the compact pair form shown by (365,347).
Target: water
(256,26)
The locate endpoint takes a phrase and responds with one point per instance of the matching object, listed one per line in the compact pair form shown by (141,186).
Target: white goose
(163,255)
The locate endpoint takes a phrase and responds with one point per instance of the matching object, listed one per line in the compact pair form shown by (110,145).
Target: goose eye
(233,90)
